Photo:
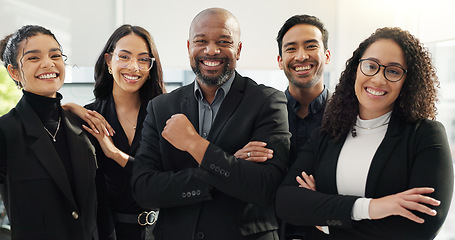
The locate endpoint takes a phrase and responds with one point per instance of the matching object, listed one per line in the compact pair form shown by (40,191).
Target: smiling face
(131,78)
(41,66)
(214,47)
(377,95)
(303,56)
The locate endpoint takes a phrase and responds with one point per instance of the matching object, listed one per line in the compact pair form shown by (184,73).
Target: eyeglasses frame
(383,72)
(131,61)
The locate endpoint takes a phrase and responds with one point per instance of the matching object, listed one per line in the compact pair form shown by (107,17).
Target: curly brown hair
(418,96)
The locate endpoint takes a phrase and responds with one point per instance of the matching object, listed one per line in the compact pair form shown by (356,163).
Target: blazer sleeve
(304,207)
(153,185)
(431,166)
(249,181)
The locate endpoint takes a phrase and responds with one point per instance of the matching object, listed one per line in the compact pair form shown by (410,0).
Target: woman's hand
(306,181)
(108,147)
(255,152)
(95,120)
(401,204)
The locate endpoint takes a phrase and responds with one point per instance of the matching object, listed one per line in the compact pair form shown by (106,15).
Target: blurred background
(82,28)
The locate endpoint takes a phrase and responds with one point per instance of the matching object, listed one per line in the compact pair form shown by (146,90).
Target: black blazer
(39,199)
(411,155)
(224,197)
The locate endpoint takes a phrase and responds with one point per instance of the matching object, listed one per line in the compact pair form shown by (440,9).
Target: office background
(83,26)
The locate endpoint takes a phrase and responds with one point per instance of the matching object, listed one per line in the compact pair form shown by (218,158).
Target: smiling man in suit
(186,164)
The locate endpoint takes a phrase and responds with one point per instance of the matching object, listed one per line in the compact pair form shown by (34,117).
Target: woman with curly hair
(380,166)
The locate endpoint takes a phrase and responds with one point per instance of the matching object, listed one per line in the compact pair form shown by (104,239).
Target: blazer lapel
(329,167)
(382,155)
(79,149)
(189,106)
(43,148)
(228,107)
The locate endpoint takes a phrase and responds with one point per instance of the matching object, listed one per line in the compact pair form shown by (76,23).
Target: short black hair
(302,19)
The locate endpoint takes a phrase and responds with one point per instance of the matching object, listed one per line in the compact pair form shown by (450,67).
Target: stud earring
(110,71)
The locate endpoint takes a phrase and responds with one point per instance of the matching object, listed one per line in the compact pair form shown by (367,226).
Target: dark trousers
(128,231)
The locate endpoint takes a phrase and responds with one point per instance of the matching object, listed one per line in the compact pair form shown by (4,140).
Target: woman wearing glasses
(127,75)
(380,166)
(47,163)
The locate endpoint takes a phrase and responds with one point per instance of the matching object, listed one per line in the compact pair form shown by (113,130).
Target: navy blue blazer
(411,155)
(224,197)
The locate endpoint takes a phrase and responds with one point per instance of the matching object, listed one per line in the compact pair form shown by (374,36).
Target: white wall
(83,26)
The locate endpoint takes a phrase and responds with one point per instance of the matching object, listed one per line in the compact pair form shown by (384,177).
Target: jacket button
(75,215)
(200,235)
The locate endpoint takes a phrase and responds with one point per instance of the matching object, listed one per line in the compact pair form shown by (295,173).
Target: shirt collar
(225,87)
(317,104)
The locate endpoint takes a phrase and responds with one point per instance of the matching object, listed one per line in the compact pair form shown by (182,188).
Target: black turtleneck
(49,111)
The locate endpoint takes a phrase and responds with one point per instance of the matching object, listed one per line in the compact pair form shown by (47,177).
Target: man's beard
(213,81)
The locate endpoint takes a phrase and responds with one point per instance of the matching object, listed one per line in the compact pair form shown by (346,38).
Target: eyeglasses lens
(371,68)
(143,63)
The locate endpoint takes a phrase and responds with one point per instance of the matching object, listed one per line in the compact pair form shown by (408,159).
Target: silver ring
(248,154)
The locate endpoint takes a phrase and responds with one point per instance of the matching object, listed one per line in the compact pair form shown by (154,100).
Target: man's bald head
(220,14)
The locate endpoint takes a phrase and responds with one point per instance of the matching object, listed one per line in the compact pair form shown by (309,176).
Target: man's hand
(255,152)
(181,134)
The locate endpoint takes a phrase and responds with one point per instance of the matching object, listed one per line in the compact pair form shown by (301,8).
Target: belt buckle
(150,218)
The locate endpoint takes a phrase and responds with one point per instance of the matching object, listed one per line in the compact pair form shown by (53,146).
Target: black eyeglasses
(392,73)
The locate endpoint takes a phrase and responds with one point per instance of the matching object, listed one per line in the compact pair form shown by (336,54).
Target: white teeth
(47,76)
(211,64)
(131,77)
(303,68)
(376,93)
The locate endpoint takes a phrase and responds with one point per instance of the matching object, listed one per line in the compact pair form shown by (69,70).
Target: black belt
(143,218)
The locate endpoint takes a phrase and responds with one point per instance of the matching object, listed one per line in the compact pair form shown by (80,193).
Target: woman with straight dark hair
(47,163)
(380,167)
(128,74)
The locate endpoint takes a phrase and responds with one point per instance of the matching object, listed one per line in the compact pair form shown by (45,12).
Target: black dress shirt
(301,128)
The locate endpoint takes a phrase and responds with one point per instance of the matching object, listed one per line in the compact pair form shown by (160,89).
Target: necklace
(56,131)
(134,126)
(354,132)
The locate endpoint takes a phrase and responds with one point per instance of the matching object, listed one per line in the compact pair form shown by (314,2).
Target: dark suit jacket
(39,199)
(224,197)
(411,155)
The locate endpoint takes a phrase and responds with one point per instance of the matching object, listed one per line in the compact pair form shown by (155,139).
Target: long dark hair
(104,81)
(418,96)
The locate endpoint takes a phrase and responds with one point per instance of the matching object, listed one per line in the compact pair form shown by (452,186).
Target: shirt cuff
(325,229)
(360,211)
